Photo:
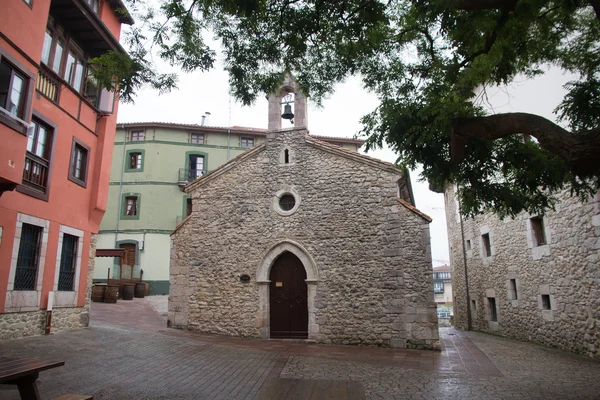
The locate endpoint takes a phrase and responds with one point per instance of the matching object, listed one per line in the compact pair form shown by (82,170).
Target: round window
(287,202)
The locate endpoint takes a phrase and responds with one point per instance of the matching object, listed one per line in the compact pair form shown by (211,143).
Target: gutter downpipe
(462,234)
(229,131)
(120,185)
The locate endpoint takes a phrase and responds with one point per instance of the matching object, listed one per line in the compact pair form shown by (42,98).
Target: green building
(152,162)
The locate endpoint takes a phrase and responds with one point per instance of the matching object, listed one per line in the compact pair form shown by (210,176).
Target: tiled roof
(235,128)
(351,153)
(442,268)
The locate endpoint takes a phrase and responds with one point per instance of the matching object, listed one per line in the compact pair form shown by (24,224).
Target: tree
(425,60)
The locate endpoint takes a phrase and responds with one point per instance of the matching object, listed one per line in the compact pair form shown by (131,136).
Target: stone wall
(557,284)
(19,324)
(371,253)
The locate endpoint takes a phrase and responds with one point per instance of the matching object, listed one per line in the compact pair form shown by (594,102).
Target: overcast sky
(339,116)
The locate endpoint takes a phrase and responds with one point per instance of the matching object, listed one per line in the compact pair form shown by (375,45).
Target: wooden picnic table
(23,372)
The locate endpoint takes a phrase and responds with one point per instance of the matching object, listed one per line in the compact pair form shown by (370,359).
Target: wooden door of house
(288,298)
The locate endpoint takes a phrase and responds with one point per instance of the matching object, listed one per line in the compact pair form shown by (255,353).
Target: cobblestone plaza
(128,353)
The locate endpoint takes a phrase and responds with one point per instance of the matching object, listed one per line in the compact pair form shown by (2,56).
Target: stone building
(530,278)
(152,163)
(303,239)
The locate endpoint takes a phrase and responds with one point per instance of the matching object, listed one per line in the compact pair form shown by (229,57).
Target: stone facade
(19,324)
(546,293)
(366,252)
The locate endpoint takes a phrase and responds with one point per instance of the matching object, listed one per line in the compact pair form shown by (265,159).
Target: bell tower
(279,110)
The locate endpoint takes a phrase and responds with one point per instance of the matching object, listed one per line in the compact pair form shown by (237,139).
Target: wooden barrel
(98,293)
(128,291)
(111,294)
(140,289)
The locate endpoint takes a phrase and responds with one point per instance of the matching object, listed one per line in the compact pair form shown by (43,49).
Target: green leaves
(423,59)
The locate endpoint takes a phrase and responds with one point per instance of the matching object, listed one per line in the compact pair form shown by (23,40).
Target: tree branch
(478,5)
(580,151)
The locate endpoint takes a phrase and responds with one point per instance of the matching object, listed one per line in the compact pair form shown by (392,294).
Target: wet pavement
(129,353)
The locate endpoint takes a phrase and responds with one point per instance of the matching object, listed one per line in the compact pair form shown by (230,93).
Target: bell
(287,112)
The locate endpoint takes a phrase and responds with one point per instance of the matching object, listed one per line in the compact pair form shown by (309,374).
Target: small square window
(546,305)
(537,226)
(197,138)
(131,206)
(138,136)
(512,283)
(135,160)
(487,248)
(493,311)
(247,142)
(79,163)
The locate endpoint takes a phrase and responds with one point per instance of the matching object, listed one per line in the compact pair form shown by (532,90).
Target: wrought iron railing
(35,173)
(66,276)
(47,85)
(188,175)
(28,258)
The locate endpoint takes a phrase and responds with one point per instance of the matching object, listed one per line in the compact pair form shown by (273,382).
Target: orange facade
(57,129)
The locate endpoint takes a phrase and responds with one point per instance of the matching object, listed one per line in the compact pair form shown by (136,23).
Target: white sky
(339,116)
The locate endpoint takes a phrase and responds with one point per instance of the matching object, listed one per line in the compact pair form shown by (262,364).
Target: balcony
(79,19)
(47,84)
(35,173)
(187,175)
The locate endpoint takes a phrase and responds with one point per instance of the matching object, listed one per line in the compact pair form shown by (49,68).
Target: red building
(57,129)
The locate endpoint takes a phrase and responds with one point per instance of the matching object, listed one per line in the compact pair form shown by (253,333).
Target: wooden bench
(23,372)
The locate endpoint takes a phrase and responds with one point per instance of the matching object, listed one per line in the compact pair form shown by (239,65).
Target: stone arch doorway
(288,302)
(263,275)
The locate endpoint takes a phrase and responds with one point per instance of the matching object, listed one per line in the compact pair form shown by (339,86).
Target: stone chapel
(297,238)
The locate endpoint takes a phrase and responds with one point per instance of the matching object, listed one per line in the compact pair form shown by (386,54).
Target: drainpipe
(462,235)
(120,186)
(229,131)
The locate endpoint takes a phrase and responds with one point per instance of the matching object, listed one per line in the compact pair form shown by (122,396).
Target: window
(493,312)
(74,67)
(287,202)
(131,206)
(286,156)
(13,89)
(546,305)
(188,207)
(37,157)
(474,305)
(28,258)
(537,226)
(247,142)
(79,163)
(513,289)
(438,287)
(197,138)
(196,166)
(68,263)
(138,136)
(468,245)
(135,160)
(487,249)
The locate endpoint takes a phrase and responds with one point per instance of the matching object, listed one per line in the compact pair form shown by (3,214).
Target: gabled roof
(442,268)
(341,151)
(415,210)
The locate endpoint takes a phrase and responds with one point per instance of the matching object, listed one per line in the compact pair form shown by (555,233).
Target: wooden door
(288,298)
